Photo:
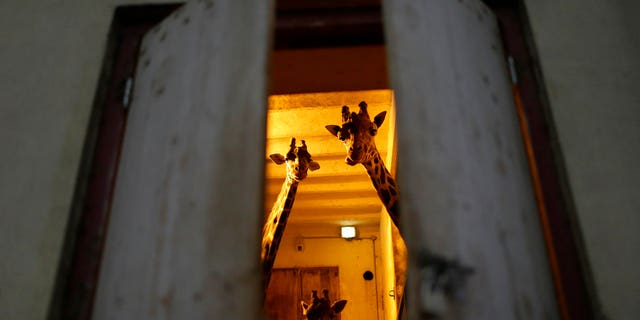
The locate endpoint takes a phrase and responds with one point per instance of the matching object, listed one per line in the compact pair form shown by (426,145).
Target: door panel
(183,240)
(319,279)
(289,286)
(465,190)
(283,297)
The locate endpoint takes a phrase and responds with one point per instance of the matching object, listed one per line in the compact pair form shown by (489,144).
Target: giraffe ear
(305,306)
(379,119)
(333,129)
(313,166)
(277,158)
(338,306)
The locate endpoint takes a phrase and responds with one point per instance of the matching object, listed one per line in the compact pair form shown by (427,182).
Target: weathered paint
(466,193)
(184,234)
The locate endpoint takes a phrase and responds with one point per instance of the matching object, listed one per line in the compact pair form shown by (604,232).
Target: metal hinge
(126,92)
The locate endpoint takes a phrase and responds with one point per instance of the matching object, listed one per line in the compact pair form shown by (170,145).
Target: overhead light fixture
(348,232)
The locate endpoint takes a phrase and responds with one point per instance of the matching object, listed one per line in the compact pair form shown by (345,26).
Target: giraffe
(321,308)
(298,161)
(357,133)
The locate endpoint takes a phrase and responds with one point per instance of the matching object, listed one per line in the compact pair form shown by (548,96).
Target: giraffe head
(298,161)
(321,308)
(357,133)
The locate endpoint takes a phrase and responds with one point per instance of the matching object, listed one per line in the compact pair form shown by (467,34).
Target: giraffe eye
(343,135)
(373,131)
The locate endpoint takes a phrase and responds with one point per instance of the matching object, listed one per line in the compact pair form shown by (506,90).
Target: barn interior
(323,60)
(331,197)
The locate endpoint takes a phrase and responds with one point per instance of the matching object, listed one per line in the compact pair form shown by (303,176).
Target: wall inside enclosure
(52,54)
(336,194)
(322,246)
(589,53)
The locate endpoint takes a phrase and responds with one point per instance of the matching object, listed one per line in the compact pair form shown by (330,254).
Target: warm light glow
(348,232)
(336,194)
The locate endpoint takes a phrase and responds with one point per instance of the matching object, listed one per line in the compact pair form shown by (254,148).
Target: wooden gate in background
(289,286)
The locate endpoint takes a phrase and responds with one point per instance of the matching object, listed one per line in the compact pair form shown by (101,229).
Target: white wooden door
(184,232)
(464,185)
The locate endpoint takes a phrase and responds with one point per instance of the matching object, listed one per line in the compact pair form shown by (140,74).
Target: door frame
(88,219)
(563,238)
(81,256)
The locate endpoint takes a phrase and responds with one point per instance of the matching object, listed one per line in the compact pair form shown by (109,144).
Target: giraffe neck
(385,185)
(387,190)
(275,224)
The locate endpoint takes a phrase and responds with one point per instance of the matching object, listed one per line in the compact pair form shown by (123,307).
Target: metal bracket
(126,92)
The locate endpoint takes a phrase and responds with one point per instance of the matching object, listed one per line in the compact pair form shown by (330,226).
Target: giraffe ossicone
(322,308)
(298,161)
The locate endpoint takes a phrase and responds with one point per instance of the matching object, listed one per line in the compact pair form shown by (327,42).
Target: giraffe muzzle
(350,161)
(354,156)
